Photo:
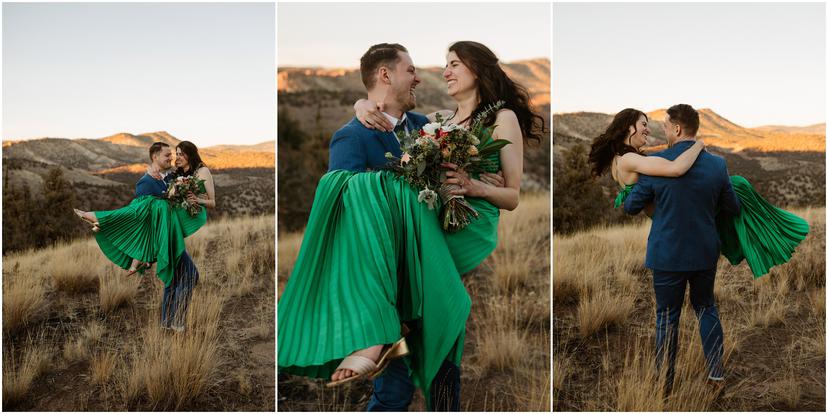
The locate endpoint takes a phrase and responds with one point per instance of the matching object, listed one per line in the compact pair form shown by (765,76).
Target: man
(390,78)
(683,246)
(177,295)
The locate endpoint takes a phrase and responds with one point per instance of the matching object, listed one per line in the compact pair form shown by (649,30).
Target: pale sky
(337,34)
(202,72)
(753,63)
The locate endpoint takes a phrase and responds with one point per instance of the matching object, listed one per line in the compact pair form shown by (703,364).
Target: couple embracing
(698,213)
(152,228)
(376,291)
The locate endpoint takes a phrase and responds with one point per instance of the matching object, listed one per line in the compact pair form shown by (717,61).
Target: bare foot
(372,352)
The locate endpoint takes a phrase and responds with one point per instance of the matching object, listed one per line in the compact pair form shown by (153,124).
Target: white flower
(422,141)
(429,197)
(431,128)
(474,140)
(452,127)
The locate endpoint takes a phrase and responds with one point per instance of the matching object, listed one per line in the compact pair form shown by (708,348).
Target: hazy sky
(202,72)
(337,34)
(755,64)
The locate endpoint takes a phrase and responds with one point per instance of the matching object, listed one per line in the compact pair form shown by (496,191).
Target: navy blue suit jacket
(148,185)
(357,148)
(683,235)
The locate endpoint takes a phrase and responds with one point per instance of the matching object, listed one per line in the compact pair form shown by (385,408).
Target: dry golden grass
(172,370)
(102,367)
(523,242)
(75,350)
(75,268)
(603,310)
(20,371)
(289,244)
(774,329)
(24,300)
(504,343)
(117,289)
(134,364)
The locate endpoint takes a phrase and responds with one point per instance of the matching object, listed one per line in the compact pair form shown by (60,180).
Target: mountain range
(104,170)
(785,163)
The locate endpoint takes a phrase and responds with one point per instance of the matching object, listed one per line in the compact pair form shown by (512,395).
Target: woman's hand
(469,187)
(192,199)
(369,113)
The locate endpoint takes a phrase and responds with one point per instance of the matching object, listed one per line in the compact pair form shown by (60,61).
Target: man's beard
(406,101)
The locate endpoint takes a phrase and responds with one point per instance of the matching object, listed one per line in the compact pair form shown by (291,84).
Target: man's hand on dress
(494,179)
(369,113)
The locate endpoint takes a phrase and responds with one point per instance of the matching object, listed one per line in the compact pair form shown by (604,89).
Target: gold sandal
(95,225)
(140,268)
(366,368)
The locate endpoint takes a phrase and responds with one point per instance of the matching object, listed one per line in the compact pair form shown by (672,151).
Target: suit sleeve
(728,201)
(143,188)
(346,153)
(641,195)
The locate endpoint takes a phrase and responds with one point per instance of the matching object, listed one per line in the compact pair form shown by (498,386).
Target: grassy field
(506,357)
(604,329)
(79,335)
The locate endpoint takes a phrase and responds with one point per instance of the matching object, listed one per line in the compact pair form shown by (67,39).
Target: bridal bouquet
(177,192)
(439,142)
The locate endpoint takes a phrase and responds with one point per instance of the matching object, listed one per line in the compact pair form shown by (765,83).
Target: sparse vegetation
(604,361)
(103,349)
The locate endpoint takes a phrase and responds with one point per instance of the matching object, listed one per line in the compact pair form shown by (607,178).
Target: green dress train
(149,229)
(762,235)
(372,257)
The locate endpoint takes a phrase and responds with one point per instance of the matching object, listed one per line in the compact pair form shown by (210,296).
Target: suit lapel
(389,142)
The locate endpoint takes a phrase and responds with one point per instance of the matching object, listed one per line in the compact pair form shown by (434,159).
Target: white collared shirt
(396,121)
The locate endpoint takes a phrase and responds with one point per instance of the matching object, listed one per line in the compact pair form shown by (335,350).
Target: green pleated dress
(372,257)
(149,229)
(763,235)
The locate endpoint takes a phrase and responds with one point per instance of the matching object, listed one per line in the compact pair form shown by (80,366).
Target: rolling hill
(785,164)
(103,171)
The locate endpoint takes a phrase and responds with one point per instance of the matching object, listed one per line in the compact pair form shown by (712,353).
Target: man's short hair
(156,147)
(383,54)
(685,116)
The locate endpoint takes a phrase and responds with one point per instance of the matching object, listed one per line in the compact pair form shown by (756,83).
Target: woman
(618,149)
(149,229)
(763,235)
(360,254)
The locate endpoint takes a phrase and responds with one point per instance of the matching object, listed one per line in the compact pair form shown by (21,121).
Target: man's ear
(384,75)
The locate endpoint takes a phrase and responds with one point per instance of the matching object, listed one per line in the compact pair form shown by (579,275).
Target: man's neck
(684,139)
(380,95)
(160,169)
